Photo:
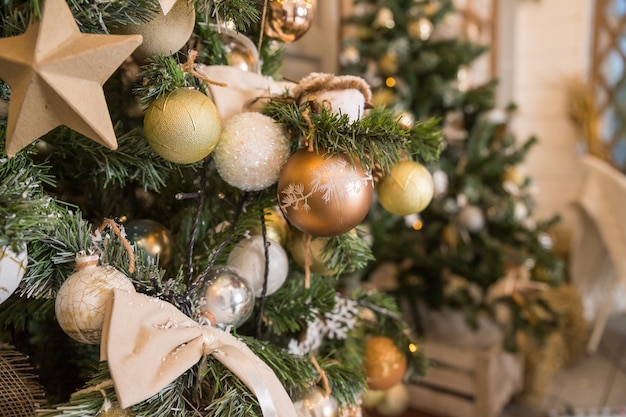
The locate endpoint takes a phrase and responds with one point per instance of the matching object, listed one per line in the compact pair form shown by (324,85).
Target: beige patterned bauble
(12,270)
(182,126)
(324,195)
(82,299)
(407,189)
(248,258)
(165,34)
(251,151)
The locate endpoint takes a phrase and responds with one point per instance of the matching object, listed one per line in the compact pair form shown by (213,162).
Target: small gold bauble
(385,365)
(383,97)
(388,63)
(407,189)
(514,175)
(324,196)
(288,20)
(82,299)
(152,237)
(276,227)
(297,248)
(182,126)
(165,34)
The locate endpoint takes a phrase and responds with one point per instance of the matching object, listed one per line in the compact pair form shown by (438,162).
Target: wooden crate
(464,382)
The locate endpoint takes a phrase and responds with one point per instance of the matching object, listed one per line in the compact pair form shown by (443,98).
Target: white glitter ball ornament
(82,299)
(248,257)
(251,152)
(12,269)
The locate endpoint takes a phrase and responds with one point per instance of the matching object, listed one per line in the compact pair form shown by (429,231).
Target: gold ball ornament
(12,270)
(324,195)
(152,237)
(407,189)
(251,152)
(385,365)
(395,401)
(182,126)
(240,50)
(298,250)
(388,63)
(82,299)
(514,175)
(276,227)
(165,34)
(288,20)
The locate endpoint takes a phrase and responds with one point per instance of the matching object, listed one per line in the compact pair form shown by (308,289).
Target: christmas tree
(476,249)
(178,221)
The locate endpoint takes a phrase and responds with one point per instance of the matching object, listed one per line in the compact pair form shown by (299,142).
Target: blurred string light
(413,221)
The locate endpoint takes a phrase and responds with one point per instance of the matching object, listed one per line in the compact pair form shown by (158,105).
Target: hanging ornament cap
(343,94)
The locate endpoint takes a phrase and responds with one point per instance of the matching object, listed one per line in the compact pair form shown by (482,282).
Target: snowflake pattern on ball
(336,324)
(334,180)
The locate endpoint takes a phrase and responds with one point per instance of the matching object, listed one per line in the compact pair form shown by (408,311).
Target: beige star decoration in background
(56,75)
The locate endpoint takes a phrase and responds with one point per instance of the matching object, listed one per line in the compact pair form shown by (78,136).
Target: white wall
(550,45)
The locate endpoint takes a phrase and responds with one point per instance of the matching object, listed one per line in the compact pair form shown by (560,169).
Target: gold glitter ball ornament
(385,365)
(251,152)
(407,189)
(324,195)
(182,126)
(165,34)
(82,299)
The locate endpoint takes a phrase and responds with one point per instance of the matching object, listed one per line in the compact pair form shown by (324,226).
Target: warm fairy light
(390,82)
(462,77)
(413,221)
(413,347)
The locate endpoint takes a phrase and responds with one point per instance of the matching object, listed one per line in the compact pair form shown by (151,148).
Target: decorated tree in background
(176,220)
(476,248)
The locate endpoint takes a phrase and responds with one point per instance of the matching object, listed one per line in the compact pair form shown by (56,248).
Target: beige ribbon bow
(148,343)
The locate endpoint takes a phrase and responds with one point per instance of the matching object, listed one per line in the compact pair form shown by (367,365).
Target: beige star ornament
(56,75)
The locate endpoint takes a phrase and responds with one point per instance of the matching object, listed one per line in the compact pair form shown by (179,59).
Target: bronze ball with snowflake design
(324,195)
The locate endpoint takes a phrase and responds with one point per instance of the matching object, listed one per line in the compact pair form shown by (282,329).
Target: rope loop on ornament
(322,377)
(190,67)
(127,246)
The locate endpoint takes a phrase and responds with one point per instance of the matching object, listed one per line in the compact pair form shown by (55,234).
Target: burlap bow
(148,343)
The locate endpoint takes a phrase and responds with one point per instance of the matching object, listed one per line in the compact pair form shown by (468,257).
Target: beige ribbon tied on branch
(148,343)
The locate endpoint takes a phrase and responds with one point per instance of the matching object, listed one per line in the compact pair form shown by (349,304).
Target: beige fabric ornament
(341,94)
(56,75)
(243,90)
(148,343)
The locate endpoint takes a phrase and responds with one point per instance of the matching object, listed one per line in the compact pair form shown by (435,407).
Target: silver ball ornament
(226,299)
(316,404)
(471,218)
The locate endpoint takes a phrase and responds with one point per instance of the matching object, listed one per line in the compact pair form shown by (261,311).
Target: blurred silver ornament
(226,298)
(350,55)
(471,218)
(545,240)
(440,180)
